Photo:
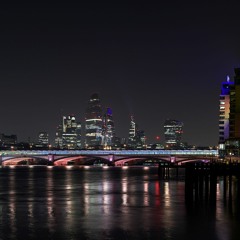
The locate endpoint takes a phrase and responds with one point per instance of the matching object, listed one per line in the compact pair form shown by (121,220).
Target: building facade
(173,130)
(43,138)
(8,140)
(93,123)
(68,134)
(132,133)
(224,110)
(232,144)
(108,133)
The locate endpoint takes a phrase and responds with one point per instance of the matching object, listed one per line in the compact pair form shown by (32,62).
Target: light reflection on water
(110,203)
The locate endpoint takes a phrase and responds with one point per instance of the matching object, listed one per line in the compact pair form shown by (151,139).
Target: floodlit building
(224,110)
(68,134)
(58,137)
(108,133)
(232,144)
(173,130)
(136,137)
(132,133)
(43,138)
(93,123)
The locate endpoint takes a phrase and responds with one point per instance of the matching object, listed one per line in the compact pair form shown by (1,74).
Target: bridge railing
(110,152)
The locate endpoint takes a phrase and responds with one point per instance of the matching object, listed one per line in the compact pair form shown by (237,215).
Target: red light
(157,137)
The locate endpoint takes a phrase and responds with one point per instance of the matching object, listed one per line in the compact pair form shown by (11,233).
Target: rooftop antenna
(228,78)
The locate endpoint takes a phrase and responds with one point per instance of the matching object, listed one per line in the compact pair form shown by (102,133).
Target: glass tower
(173,130)
(132,133)
(93,123)
(43,138)
(108,129)
(224,110)
(69,133)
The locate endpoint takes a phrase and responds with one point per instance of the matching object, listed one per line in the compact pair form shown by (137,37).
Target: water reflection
(111,203)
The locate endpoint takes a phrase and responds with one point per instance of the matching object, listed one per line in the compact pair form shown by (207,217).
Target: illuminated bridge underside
(76,160)
(24,161)
(113,157)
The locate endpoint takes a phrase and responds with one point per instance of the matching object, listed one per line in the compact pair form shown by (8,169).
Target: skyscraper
(79,135)
(93,123)
(132,133)
(108,129)
(234,116)
(58,136)
(232,144)
(136,137)
(173,130)
(43,138)
(224,110)
(68,134)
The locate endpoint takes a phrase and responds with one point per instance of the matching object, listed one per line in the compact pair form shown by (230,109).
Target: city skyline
(156,62)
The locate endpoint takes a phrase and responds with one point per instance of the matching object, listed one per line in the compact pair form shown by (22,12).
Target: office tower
(79,135)
(132,133)
(93,123)
(140,139)
(234,116)
(108,133)
(43,138)
(173,130)
(58,137)
(224,110)
(231,146)
(6,140)
(69,132)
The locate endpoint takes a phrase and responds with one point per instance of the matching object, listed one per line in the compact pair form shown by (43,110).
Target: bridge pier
(163,171)
(201,180)
(51,158)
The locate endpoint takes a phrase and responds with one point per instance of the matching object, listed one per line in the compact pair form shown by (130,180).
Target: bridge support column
(50,158)
(111,158)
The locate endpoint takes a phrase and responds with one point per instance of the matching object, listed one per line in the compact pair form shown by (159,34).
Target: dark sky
(155,61)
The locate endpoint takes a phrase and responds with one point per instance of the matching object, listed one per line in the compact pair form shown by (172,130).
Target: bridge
(104,157)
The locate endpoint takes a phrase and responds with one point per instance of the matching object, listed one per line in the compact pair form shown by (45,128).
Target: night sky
(155,61)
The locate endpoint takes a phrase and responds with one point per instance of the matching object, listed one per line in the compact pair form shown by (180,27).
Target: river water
(110,203)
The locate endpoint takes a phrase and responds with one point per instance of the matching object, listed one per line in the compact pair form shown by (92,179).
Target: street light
(230,154)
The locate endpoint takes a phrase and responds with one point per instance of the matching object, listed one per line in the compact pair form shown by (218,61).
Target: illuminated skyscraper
(79,135)
(136,137)
(68,134)
(43,138)
(224,110)
(234,116)
(93,123)
(108,129)
(173,130)
(232,144)
(58,137)
(132,133)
